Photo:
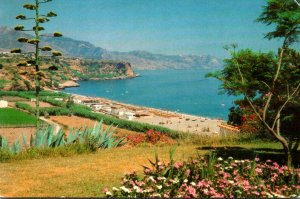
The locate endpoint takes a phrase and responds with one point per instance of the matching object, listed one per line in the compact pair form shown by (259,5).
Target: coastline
(176,121)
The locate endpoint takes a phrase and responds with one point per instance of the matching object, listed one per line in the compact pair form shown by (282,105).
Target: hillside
(140,60)
(58,73)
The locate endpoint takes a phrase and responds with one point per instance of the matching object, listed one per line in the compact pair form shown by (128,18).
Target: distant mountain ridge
(141,60)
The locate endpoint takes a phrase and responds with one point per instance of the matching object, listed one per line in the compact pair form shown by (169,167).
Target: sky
(171,27)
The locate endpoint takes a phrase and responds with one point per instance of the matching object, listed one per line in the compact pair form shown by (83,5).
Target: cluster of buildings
(107,108)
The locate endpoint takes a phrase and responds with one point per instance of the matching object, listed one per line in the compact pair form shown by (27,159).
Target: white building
(3,104)
(96,107)
(77,101)
(107,109)
(129,115)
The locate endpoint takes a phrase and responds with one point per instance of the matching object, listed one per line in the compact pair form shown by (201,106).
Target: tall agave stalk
(37,28)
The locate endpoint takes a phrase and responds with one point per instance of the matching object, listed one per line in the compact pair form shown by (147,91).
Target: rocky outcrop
(68,84)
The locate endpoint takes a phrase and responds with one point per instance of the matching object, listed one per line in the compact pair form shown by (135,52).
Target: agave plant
(94,137)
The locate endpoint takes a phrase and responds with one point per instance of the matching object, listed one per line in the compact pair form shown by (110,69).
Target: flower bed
(150,136)
(211,177)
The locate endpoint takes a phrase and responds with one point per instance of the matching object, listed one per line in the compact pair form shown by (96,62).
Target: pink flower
(176,165)
(105,190)
(147,170)
(258,170)
(188,172)
(192,191)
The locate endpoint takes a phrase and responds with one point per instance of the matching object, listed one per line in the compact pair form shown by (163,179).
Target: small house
(3,104)
(96,107)
(77,101)
(107,109)
(129,115)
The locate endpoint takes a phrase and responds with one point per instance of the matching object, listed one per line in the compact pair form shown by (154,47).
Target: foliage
(285,16)
(10,117)
(269,84)
(93,138)
(210,177)
(150,136)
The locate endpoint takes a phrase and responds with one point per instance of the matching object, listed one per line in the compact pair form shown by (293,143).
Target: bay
(184,91)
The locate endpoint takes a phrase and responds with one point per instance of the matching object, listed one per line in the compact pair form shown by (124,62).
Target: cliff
(58,73)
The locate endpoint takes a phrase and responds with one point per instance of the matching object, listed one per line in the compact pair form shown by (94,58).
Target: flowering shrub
(151,136)
(211,177)
(136,138)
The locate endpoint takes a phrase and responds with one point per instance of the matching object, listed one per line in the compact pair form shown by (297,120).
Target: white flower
(220,159)
(159,186)
(115,189)
(136,187)
(125,189)
(151,178)
(193,184)
(185,181)
(230,158)
(242,161)
(108,193)
(230,181)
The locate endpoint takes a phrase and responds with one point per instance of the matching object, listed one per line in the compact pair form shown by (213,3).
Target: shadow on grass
(263,154)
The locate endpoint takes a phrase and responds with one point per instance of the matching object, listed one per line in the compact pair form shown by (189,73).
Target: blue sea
(184,91)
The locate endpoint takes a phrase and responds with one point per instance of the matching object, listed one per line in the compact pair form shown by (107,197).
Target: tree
(269,83)
(37,29)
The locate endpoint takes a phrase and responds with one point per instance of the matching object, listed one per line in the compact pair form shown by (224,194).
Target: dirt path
(55,125)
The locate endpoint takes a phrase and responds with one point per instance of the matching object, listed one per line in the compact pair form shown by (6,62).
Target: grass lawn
(10,117)
(87,174)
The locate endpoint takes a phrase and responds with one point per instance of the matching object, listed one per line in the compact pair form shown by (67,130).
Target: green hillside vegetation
(10,117)
(17,74)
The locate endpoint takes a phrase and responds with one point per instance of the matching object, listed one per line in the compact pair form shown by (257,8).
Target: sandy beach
(173,120)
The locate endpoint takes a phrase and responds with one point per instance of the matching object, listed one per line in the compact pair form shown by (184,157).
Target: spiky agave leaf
(39,138)
(50,136)
(32,141)
(3,143)
(71,137)
(24,139)
(58,138)
(15,148)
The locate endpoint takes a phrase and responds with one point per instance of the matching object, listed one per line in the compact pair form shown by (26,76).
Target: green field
(10,117)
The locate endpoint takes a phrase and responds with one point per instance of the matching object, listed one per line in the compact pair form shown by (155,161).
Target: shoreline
(176,121)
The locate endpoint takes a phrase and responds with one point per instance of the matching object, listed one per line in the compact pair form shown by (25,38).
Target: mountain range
(140,60)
